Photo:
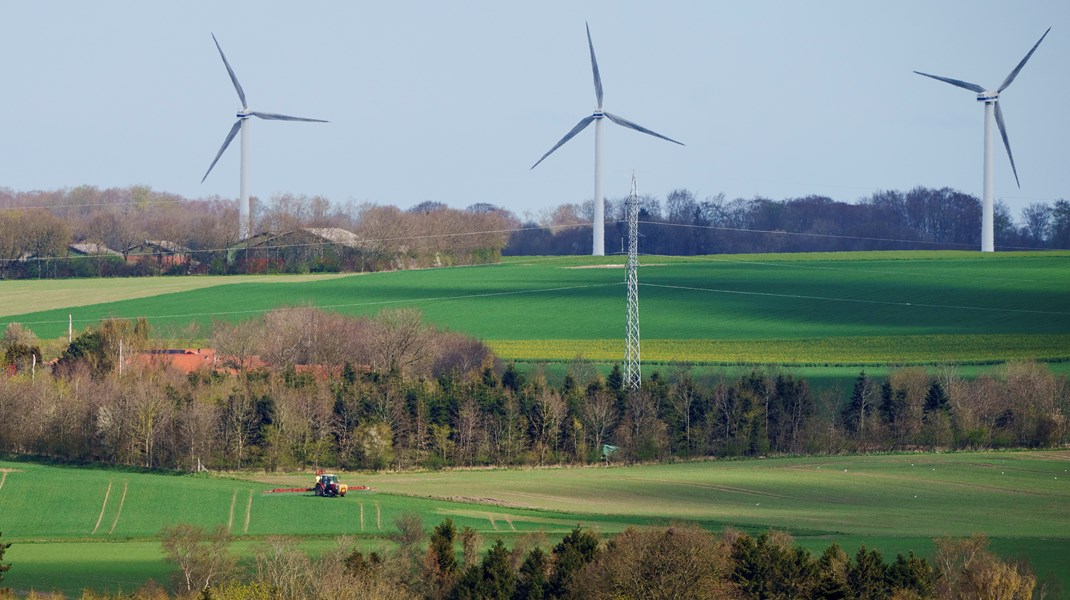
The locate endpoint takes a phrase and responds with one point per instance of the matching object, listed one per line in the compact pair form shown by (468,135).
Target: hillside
(849,308)
(97,527)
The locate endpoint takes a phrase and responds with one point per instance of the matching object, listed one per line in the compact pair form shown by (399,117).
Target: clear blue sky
(453,102)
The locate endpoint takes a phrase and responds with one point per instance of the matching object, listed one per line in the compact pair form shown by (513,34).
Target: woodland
(300,388)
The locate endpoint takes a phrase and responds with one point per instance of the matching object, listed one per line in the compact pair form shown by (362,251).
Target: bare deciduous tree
(599,414)
(202,557)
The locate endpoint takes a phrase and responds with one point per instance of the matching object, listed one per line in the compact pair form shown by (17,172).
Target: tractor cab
(327,485)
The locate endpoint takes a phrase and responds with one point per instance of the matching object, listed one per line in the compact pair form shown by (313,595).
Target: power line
(58,207)
(371,241)
(238,247)
(829,235)
(915,242)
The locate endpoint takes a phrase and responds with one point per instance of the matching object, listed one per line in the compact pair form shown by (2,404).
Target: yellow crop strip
(913,349)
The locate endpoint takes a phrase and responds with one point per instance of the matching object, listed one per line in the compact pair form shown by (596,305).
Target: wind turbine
(243,125)
(596,117)
(991,100)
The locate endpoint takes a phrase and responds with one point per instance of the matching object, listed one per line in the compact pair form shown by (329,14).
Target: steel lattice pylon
(632,364)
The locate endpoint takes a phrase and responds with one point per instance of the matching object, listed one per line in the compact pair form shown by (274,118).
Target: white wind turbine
(596,117)
(991,100)
(242,123)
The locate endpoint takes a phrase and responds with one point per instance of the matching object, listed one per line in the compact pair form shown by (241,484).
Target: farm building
(299,250)
(91,249)
(94,260)
(186,360)
(160,254)
(190,360)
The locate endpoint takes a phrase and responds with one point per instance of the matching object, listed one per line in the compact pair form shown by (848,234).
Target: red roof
(187,361)
(190,360)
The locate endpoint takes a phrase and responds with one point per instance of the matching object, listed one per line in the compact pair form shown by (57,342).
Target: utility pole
(70,328)
(632,375)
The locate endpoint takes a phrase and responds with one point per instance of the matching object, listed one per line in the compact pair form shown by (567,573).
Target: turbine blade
(1006,142)
(626,123)
(226,142)
(568,136)
(594,69)
(973,87)
(233,77)
(1014,73)
(278,117)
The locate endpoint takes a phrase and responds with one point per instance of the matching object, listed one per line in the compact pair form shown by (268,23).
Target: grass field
(809,309)
(76,527)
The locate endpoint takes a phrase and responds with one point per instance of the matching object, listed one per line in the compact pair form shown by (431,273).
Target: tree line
(300,388)
(678,561)
(681,224)
(36,229)
(40,226)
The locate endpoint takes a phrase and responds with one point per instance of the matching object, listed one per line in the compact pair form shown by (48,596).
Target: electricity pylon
(632,375)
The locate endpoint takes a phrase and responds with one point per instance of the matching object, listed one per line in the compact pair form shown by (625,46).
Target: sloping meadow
(75,527)
(850,308)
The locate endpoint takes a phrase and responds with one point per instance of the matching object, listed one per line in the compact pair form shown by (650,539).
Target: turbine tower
(599,248)
(243,125)
(633,377)
(991,100)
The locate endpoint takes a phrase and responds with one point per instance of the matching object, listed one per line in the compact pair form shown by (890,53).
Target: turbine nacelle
(988,96)
(599,113)
(244,113)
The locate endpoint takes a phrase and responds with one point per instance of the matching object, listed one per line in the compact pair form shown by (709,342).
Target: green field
(85,527)
(807,309)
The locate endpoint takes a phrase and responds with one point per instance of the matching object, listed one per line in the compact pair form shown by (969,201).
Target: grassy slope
(1018,499)
(960,304)
(52,514)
